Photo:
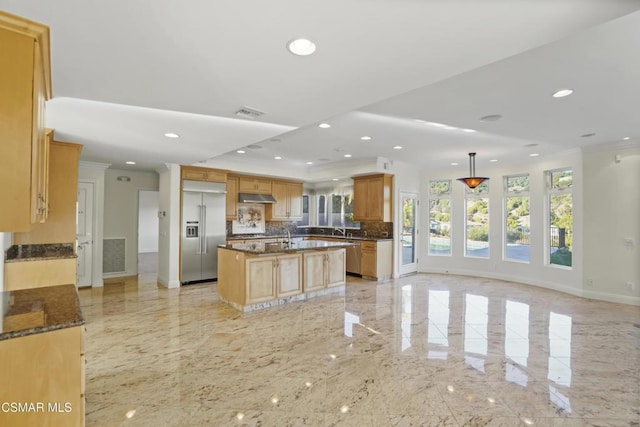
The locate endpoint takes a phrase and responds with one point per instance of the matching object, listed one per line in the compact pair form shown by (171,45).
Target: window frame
(550,191)
(475,194)
(505,230)
(439,196)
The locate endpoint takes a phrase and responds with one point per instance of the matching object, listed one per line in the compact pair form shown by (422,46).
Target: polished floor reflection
(426,350)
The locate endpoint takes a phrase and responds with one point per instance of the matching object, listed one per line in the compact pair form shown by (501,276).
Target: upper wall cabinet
(372,198)
(232,197)
(25,85)
(289,201)
(60,226)
(254,185)
(196,173)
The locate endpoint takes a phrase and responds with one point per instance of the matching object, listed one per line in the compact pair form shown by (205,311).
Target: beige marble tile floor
(425,350)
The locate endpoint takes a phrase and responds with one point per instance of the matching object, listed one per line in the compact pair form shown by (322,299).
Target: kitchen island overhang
(254,276)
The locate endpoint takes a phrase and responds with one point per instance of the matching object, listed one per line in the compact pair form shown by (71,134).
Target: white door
(408,232)
(84,232)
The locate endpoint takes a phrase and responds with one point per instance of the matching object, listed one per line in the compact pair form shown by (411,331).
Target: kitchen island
(260,275)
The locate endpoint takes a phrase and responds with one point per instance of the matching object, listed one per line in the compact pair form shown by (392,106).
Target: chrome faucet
(288,236)
(340,230)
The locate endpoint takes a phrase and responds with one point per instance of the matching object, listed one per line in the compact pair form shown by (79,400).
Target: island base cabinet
(45,372)
(289,275)
(261,279)
(324,269)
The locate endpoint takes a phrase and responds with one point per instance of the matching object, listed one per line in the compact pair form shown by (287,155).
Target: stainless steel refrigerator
(203,229)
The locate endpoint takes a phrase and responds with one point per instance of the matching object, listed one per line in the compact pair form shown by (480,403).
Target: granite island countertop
(301,236)
(259,248)
(20,253)
(57,306)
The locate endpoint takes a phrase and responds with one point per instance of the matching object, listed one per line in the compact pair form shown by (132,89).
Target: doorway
(148,231)
(84,234)
(408,231)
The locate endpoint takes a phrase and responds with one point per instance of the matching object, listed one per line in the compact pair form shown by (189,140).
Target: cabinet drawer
(368,245)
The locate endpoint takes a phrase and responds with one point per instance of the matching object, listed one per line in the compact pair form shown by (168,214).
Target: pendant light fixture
(472,181)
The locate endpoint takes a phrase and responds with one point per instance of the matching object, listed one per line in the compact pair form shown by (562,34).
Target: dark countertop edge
(40,330)
(286,251)
(40,258)
(373,239)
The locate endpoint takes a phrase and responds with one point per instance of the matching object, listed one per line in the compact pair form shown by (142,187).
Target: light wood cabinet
(261,279)
(376,259)
(49,368)
(39,273)
(60,226)
(232,197)
(289,201)
(372,198)
(269,278)
(25,84)
(324,269)
(254,185)
(196,173)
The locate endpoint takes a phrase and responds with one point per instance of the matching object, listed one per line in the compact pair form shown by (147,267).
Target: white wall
(169,228)
(148,221)
(94,173)
(612,214)
(536,272)
(121,210)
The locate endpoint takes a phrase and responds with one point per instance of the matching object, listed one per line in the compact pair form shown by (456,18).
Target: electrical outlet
(631,286)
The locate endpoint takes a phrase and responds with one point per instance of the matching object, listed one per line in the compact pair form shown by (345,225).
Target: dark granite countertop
(58,307)
(19,253)
(259,248)
(298,236)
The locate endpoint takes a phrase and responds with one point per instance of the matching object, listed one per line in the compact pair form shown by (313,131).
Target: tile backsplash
(279,228)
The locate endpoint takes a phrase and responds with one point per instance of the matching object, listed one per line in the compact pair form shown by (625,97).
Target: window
(440,217)
(305,211)
(339,203)
(560,203)
(477,221)
(517,223)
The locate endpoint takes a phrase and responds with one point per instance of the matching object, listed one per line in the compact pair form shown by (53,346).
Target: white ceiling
(124,73)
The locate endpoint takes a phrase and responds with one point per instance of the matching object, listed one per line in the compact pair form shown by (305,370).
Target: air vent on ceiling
(249,113)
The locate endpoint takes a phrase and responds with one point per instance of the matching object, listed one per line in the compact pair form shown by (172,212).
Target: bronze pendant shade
(472,181)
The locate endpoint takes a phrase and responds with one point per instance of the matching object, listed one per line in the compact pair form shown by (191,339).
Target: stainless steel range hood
(255,198)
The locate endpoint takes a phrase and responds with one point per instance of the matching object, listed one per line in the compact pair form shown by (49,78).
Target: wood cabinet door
(314,271)
(280,192)
(295,200)
(289,272)
(336,267)
(360,199)
(368,263)
(232,198)
(375,205)
(263,186)
(261,284)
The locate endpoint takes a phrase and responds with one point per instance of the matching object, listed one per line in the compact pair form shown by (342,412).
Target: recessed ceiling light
(626,138)
(534,155)
(440,125)
(347,155)
(171,135)
(491,118)
(454,163)
(324,125)
(130,163)
(335,179)
(587,135)
(240,151)
(301,47)
(397,147)
(469,130)
(309,163)
(562,93)
(449,128)
(365,138)
(278,158)
(493,160)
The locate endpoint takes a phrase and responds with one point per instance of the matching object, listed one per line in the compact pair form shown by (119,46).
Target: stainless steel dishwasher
(353,257)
